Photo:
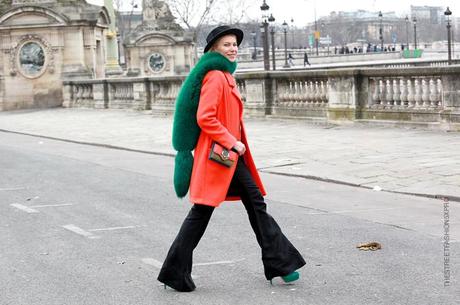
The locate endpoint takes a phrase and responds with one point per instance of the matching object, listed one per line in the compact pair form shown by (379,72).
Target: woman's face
(227,46)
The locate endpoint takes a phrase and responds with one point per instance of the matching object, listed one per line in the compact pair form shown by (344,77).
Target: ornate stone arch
(104,18)
(46,12)
(147,37)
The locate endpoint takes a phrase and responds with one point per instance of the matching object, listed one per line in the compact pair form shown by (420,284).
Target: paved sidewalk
(391,159)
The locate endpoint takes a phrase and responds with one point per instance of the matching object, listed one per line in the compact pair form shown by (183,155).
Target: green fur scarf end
(182,172)
(185,128)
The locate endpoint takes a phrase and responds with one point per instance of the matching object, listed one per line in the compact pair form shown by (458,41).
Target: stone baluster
(296,95)
(300,94)
(282,93)
(396,93)
(403,96)
(286,94)
(439,93)
(242,89)
(304,94)
(75,92)
(418,93)
(433,93)
(389,94)
(375,93)
(323,93)
(290,95)
(310,92)
(425,93)
(410,94)
(382,98)
(317,94)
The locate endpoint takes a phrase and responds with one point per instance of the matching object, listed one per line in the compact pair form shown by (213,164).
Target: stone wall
(427,96)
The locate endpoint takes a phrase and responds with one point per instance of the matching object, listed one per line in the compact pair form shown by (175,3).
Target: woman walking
(208,120)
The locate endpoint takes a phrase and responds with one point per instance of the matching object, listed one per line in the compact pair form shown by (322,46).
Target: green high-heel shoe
(291,277)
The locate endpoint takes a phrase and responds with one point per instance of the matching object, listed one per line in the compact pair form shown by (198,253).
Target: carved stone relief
(32,55)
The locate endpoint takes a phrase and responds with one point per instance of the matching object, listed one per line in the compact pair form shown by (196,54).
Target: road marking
(23,208)
(152,262)
(51,205)
(12,189)
(351,211)
(115,228)
(80,231)
(219,263)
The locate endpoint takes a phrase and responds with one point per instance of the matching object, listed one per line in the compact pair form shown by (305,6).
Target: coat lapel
(234,89)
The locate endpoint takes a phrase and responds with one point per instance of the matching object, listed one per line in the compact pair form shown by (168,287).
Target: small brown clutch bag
(222,155)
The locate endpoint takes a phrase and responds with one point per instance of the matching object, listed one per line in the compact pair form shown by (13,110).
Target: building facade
(42,43)
(158,46)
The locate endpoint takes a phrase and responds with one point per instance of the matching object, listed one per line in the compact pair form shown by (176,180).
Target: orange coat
(220,116)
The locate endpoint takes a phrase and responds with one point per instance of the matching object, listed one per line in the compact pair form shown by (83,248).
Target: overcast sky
(303,11)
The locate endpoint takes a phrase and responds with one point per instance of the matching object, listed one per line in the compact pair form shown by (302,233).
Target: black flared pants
(279,256)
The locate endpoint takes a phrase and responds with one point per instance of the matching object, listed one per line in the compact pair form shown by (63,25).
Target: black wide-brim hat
(222,31)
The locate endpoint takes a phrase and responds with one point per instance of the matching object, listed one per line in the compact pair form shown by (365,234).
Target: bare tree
(192,13)
(232,12)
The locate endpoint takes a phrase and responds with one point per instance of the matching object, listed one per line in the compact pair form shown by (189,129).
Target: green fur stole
(185,127)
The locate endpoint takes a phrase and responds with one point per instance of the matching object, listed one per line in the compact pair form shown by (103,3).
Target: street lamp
(271,19)
(285,29)
(292,33)
(447,13)
(327,36)
(264,8)
(254,54)
(414,20)
(381,31)
(407,32)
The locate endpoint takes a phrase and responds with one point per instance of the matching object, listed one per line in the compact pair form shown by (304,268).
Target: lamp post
(254,53)
(414,20)
(271,19)
(264,8)
(292,33)
(327,36)
(316,34)
(447,13)
(407,32)
(285,28)
(381,31)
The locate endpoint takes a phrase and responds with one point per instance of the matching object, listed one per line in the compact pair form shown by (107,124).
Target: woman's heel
(291,277)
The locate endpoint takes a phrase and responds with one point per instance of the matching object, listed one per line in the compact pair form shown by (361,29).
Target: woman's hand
(240,148)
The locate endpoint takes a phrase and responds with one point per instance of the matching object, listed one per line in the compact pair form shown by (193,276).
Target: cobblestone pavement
(390,159)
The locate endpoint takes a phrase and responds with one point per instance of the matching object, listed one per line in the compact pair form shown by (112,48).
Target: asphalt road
(89,225)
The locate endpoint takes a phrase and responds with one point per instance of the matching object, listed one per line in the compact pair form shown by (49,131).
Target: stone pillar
(258,96)
(99,95)
(451,100)
(451,91)
(112,67)
(140,96)
(343,97)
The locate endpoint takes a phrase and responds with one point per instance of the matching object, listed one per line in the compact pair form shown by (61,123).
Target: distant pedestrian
(208,121)
(290,59)
(305,59)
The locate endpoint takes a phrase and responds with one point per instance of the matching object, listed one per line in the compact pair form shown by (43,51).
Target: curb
(317,178)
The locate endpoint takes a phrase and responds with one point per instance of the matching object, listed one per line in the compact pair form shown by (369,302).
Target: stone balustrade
(412,94)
